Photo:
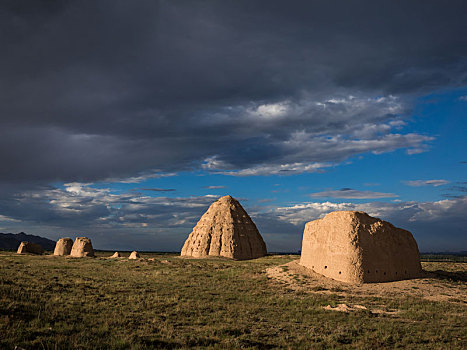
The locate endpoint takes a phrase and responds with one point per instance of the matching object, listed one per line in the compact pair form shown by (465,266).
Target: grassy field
(163,301)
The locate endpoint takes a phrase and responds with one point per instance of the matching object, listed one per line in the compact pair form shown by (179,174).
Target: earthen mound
(29,247)
(225,230)
(134,255)
(352,246)
(63,246)
(116,255)
(82,248)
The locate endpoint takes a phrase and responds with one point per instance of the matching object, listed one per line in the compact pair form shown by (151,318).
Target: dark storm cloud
(92,90)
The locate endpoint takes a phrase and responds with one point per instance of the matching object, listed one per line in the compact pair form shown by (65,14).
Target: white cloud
(411,211)
(78,188)
(349,193)
(281,169)
(272,110)
(301,213)
(444,209)
(83,208)
(8,219)
(155,174)
(86,206)
(309,133)
(214,163)
(463,98)
(418,183)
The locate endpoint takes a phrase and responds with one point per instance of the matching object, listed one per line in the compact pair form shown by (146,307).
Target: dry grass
(58,303)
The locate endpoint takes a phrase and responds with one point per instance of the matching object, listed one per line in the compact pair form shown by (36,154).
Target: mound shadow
(456,276)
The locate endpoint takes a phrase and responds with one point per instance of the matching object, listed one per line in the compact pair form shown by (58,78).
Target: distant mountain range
(13,240)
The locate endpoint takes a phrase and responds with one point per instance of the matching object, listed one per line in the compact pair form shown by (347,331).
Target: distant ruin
(29,247)
(351,246)
(63,247)
(134,255)
(82,248)
(225,230)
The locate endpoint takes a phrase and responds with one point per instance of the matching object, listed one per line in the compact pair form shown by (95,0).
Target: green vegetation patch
(51,302)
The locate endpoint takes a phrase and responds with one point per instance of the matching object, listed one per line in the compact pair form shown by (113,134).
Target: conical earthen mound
(116,255)
(29,247)
(82,247)
(225,230)
(352,246)
(134,255)
(63,246)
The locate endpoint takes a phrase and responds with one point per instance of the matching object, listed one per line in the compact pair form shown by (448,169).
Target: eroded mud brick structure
(352,246)
(134,255)
(29,248)
(63,247)
(82,248)
(225,230)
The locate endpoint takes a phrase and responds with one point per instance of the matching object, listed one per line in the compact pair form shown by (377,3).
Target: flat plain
(164,301)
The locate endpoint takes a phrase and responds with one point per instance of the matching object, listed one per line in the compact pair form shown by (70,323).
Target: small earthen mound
(345,308)
(134,255)
(82,248)
(351,246)
(29,247)
(116,255)
(225,230)
(63,247)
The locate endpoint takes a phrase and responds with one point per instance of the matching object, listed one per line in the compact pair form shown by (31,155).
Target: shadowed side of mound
(29,248)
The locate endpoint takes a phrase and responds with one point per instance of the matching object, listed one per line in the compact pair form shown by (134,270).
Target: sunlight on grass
(55,302)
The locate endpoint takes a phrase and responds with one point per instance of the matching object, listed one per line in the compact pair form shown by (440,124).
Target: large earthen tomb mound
(29,248)
(63,247)
(225,230)
(351,246)
(82,248)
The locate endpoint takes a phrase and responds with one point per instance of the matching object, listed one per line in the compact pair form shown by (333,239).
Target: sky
(124,120)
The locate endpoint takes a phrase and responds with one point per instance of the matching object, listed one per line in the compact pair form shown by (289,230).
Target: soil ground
(438,283)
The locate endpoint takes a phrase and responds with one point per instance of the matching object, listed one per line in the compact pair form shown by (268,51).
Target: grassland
(163,301)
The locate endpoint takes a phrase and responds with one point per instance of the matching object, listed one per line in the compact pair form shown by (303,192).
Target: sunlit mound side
(225,230)
(63,247)
(352,246)
(82,248)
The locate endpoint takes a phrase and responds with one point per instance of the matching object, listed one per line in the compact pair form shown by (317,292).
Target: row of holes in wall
(368,271)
